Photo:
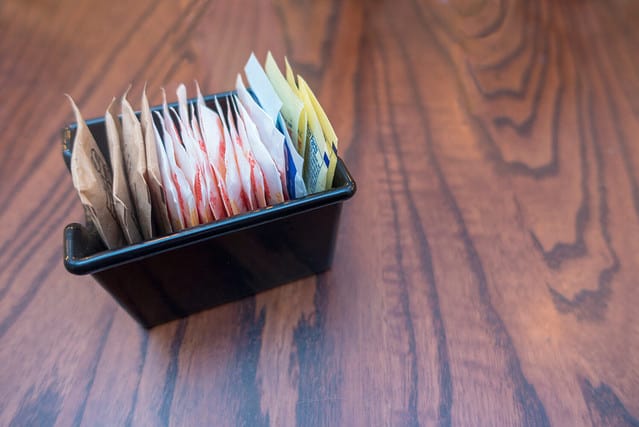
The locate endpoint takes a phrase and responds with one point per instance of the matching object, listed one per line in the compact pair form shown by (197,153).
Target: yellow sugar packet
(301,131)
(317,161)
(327,128)
(292,106)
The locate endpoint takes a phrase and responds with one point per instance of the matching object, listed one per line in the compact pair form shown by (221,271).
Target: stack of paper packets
(178,168)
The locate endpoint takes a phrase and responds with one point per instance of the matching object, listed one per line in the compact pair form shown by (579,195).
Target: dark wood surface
(486,272)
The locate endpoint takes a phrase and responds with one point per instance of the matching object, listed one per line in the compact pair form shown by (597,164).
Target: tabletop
(485,272)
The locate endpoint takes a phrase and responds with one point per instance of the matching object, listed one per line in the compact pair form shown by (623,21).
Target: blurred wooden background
(486,272)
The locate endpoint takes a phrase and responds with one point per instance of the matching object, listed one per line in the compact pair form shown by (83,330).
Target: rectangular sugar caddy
(172,276)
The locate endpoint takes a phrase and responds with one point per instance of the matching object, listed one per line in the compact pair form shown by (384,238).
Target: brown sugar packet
(153,175)
(121,195)
(135,161)
(93,180)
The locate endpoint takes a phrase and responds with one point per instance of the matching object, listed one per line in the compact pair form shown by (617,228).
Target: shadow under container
(173,276)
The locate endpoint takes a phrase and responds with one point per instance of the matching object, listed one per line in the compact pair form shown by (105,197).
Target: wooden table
(486,272)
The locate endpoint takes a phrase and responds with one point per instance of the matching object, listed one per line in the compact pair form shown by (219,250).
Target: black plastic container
(176,275)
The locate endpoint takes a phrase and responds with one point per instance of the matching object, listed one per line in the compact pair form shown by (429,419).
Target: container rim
(82,264)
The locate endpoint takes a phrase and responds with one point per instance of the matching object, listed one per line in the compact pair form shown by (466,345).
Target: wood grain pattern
(485,273)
